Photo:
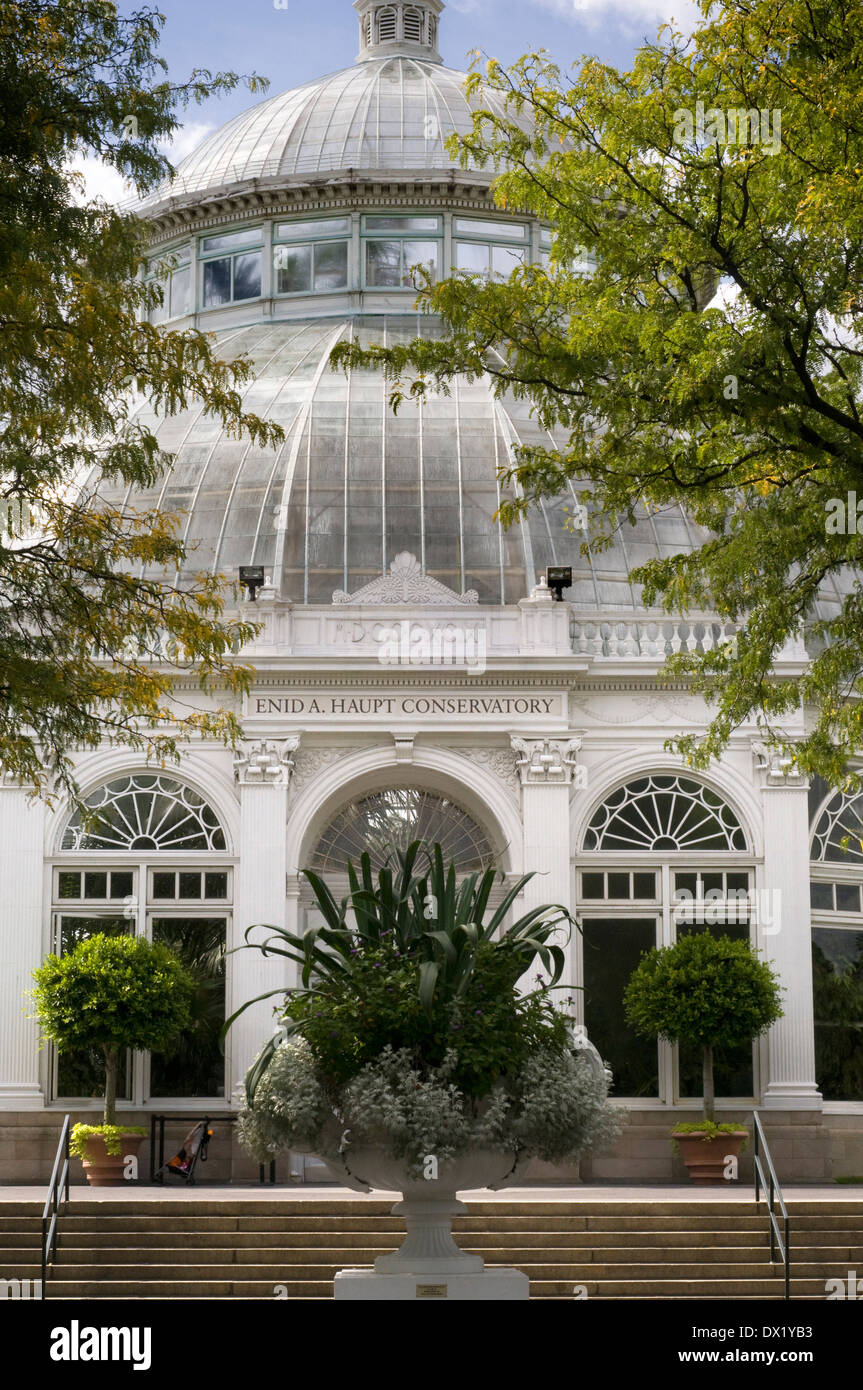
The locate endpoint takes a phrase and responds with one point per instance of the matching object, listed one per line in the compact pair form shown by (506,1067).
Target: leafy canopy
(112,992)
(747,412)
(89,648)
(704,991)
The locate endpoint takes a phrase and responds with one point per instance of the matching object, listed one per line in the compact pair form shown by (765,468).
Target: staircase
(265,1249)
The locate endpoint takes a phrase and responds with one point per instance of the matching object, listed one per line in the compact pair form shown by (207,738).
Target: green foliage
(748,412)
(710,1129)
(706,991)
(425,960)
(490,1028)
(113,1136)
(554,1109)
(90,641)
(112,992)
(410,1032)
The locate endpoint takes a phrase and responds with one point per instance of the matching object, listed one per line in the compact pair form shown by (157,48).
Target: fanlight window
(145,811)
(391,820)
(664,812)
(838,836)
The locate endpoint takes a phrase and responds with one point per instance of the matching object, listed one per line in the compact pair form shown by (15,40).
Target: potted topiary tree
(111,993)
(705,992)
(410,1060)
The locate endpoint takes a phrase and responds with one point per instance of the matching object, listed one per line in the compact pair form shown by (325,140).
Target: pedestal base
(489,1285)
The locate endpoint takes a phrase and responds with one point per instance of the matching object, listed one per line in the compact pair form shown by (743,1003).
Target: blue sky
(292,41)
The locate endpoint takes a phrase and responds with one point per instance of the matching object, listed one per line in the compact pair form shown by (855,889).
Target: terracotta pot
(104,1169)
(706,1158)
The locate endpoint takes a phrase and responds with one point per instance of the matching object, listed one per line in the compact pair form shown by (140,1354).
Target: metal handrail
(51,1210)
(780,1241)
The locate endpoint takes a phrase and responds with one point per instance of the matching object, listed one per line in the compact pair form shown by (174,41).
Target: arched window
(836,897)
(386,25)
(663,856)
(666,812)
(383,821)
(145,811)
(413,24)
(148,857)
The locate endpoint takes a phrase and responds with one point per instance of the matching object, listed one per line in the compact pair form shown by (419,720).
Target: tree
(706,992)
(112,993)
(89,648)
(731,158)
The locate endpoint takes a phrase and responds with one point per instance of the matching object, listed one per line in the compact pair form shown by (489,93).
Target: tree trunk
(709,1098)
(110,1115)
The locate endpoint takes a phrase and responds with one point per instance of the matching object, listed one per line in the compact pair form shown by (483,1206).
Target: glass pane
(293,269)
(401,224)
(737,883)
(332,226)
(612,950)
(247,275)
(217,282)
(593,885)
(122,885)
(472,256)
(216,885)
(181,292)
(225,241)
(618,885)
(837,978)
(159,312)
(331,265)
(821,896)
(644,886)
(190,885)
(513,231)
(732,1066)
(504,259)
(195,1066)
(383,262)
(164,885)
(847,897)
(424,253)
(81,1071)
(95,885)
(68,885)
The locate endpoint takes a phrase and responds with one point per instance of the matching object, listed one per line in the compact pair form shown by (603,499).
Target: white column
(263,769)
(546,768)
(21,918)
(785,932)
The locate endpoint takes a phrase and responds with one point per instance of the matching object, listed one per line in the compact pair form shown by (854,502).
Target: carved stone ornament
(550,760)
(265,761)
(407,584)
(778,764)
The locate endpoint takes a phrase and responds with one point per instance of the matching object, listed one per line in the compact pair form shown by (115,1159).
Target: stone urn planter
(428,1264)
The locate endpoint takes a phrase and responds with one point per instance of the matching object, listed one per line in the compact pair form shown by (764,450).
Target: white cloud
(103,181)
(626,15)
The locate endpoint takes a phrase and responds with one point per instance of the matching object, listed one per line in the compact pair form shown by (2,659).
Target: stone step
(368,1251)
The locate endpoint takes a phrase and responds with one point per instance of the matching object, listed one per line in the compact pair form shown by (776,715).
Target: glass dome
(354,485)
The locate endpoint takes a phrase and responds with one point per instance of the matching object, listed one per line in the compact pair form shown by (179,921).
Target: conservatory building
(414,674)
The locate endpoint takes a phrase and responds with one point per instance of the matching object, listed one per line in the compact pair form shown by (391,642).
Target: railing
(624,638)
(770,1185)
(51,1210)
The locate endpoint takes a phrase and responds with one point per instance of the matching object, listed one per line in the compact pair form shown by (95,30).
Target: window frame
(256,244)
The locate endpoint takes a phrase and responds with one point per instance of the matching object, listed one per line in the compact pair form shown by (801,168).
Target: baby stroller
(185,1161)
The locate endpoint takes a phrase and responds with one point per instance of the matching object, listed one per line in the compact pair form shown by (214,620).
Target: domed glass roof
(388,114)
(354,485)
